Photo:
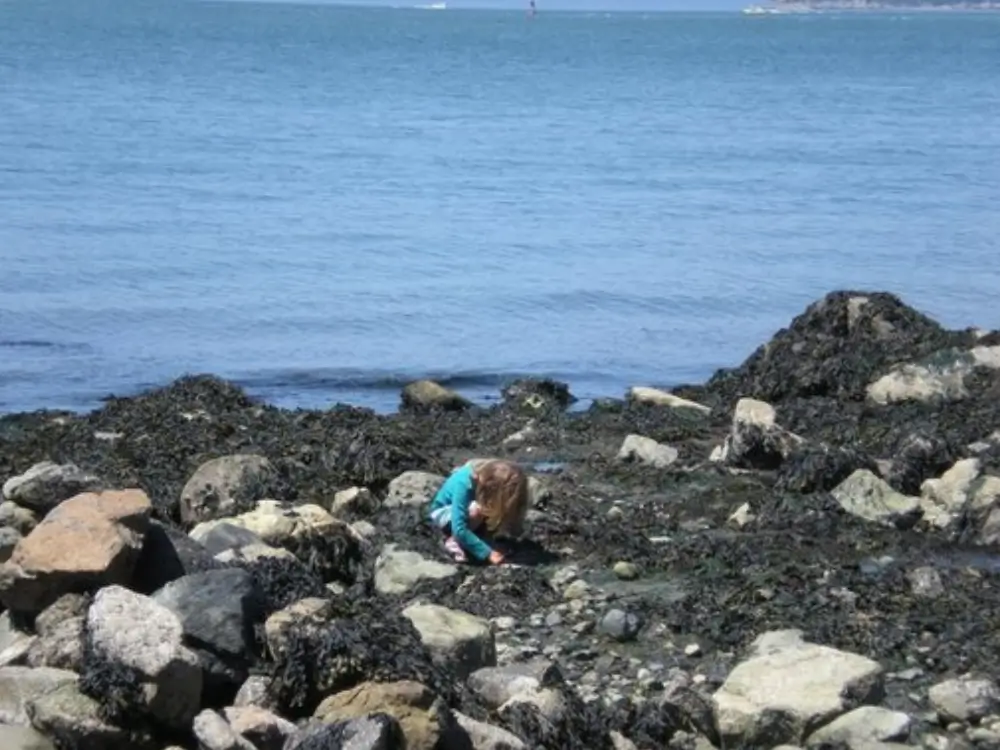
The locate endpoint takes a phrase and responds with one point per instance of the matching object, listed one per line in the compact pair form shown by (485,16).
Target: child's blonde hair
(502,495)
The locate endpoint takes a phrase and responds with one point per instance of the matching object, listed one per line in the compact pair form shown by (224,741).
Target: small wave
(340,379)
(41,344)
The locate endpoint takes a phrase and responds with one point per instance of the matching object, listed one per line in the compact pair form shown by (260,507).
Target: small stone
(925,582)
(626,571)
(576,590)
(553,620)
(504,623)
(620,625)
(644,450)
(692,649)
(357,500)
(615,513)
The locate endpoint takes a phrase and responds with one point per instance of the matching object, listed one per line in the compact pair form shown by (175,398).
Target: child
(490,495)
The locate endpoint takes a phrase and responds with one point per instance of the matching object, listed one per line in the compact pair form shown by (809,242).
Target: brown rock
(410,703)
(89,541)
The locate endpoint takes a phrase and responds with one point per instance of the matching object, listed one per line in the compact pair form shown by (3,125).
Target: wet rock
(279,625)
(942,375)
(14,643)
(73,720)
(60,647)
(534,394)
(625,571)
(816,467)
(397,571)
(8,541)
(657,397)
(168,554)
(484,736)
(644,450)
(23,738)
(620,625)
(412,489)
(497,685)
(226,486)
(88,541)
(217,610)
(410,703)
(966,698)
(42,487)
(866,496)
(925,582)
(264,730)
(132,632)
(461,642)
(20,519)
(19,686)
(426,395)
(377,731)
(354,501)
(790,687)
(214,733)
(756,441)
(918,457)
(862,727)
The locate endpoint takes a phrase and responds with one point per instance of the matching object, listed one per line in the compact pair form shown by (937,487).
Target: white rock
(951,491)
(214,733)
(867,496)
(461,642)
(965,698)
(397,570)
(133,631)
(755,440)
(741,516)
(861,728)
(224,485)
(791,686)
(637,448)
(940,376)
(46,484)
(354,500)
(657,397)
(488,737)
(20,686)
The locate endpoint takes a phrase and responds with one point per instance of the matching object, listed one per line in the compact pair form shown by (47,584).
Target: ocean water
(322,202)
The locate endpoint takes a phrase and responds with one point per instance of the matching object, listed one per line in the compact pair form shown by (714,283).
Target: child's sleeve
(470,542)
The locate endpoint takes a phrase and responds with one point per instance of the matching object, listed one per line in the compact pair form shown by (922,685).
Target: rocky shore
(799,552)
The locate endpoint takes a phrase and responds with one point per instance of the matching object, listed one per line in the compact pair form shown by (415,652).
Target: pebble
(626,571)
(621,625)
(576,590)
(692,649)
(615,514)
(643,674)
(553,620)
(504,623)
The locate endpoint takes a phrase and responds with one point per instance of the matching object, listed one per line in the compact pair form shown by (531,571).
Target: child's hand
(496,558)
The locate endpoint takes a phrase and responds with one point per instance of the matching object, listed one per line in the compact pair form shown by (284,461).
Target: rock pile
(799,552)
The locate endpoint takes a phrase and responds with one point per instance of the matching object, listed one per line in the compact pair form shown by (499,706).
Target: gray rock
(644,450)
(378,731)
(941,375)
(356,500)
(278,625)
(789,687)
(486,736)
(867,496)
(425,395)
(755,440)
(264,730)
(656,397)
(21,685)
(397,571)
(168,554)
(14,643)
(412,489)
(64,608)
(60,647)
(461,642)
(217,610)
(861,728)
(217,538)
(46,484)
(8,541)
(925,582)
(254,692)
(134,632)
(497,685)
(965,699)
(23,738)
(72,720)
(227,485)
(620,625)
(23,520)
(214,733)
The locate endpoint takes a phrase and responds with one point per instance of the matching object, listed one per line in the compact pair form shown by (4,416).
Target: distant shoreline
(785,6)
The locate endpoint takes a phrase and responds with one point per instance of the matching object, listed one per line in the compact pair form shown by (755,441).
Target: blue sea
(322,202)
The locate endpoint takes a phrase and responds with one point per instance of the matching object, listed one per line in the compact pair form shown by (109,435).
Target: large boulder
(168,554)
(88,541)
(756,440)
(966,698)
(866,496)
(789,688)
(75,720)
(263,729)
(217,610)
(414,706)
(940,376)
(42,487)
(19,686)
(23,738)
(461,642)
(132,633)
(227,485)
(377,731)
(426,395)
(397,571)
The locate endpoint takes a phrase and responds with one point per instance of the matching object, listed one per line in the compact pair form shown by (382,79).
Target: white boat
(759,10)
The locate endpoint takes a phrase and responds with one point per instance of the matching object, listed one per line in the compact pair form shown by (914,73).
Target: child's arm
(470,542)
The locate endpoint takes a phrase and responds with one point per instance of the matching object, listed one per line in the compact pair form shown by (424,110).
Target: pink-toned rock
(89,541)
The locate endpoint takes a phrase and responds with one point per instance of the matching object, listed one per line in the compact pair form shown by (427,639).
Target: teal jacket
(458,491)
